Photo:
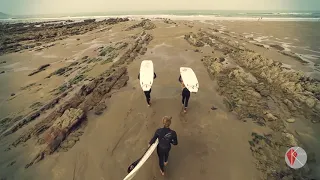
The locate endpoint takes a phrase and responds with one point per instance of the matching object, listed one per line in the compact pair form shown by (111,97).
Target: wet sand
(213,144)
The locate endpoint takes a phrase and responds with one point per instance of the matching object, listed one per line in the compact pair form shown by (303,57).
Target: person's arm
(139,76)
(154,75)
(174,140)
(154,138)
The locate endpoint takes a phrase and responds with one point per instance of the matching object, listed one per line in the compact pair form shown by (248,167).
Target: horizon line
(123,11)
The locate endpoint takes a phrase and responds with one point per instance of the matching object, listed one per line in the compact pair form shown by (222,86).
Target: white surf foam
(155,17)
(310,56)
(261,38)
(307,59)
(286,46)
(248,36)
(318,52)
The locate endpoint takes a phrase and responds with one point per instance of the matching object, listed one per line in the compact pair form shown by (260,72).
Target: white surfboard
(142,161)
(146,75)
(189,79)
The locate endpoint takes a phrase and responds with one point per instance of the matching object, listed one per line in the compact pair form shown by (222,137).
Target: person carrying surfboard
(185,95)
(166,137)
(148,93)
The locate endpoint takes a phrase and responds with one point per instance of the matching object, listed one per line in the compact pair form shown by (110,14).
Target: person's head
(166,120)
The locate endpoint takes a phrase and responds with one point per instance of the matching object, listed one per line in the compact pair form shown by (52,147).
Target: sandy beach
(71,106)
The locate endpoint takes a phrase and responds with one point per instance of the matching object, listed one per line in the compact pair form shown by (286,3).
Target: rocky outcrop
(35,105)
(266,150)
(66,71)
(242,92)
(53,129)
(214,65)
(168,21)
(41,68)
(22,36)
(138,47)
(112,21)
(85,99)
(261,90)
(280,78)
(224,43)
(32,116)
(58,129)
(89,97)
(192,39)
(89,20)
(277,47)
(57,133)
(302,92)
(106,51)
(145,24)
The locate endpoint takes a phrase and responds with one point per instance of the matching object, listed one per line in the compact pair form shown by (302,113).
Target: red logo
(296,157)
(292,155)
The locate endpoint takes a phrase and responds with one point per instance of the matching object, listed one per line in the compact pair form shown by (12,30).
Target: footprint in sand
(182,116)
(203,169)
(80,165)
(58,172)
(153,113)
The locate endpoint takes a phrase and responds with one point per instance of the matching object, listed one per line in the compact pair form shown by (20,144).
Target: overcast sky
(23,7)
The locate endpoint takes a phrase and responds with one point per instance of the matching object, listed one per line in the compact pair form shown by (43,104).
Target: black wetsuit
(147,93)
(185,95)
(180,79)
(166,137)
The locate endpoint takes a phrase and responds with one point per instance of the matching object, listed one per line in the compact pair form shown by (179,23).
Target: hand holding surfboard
(143,159)
(146,75)
(189,79)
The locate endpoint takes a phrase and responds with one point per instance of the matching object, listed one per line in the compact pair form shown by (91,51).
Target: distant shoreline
(154,17)
(180,15)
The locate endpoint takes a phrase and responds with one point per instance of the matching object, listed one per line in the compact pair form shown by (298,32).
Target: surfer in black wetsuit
(166,137)
(185,95)
(148,93)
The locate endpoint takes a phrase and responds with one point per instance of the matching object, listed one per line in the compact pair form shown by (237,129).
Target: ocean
(181,14)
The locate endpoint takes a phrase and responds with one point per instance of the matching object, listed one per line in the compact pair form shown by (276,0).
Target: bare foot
(185,111)
(162,173)
(165,163)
